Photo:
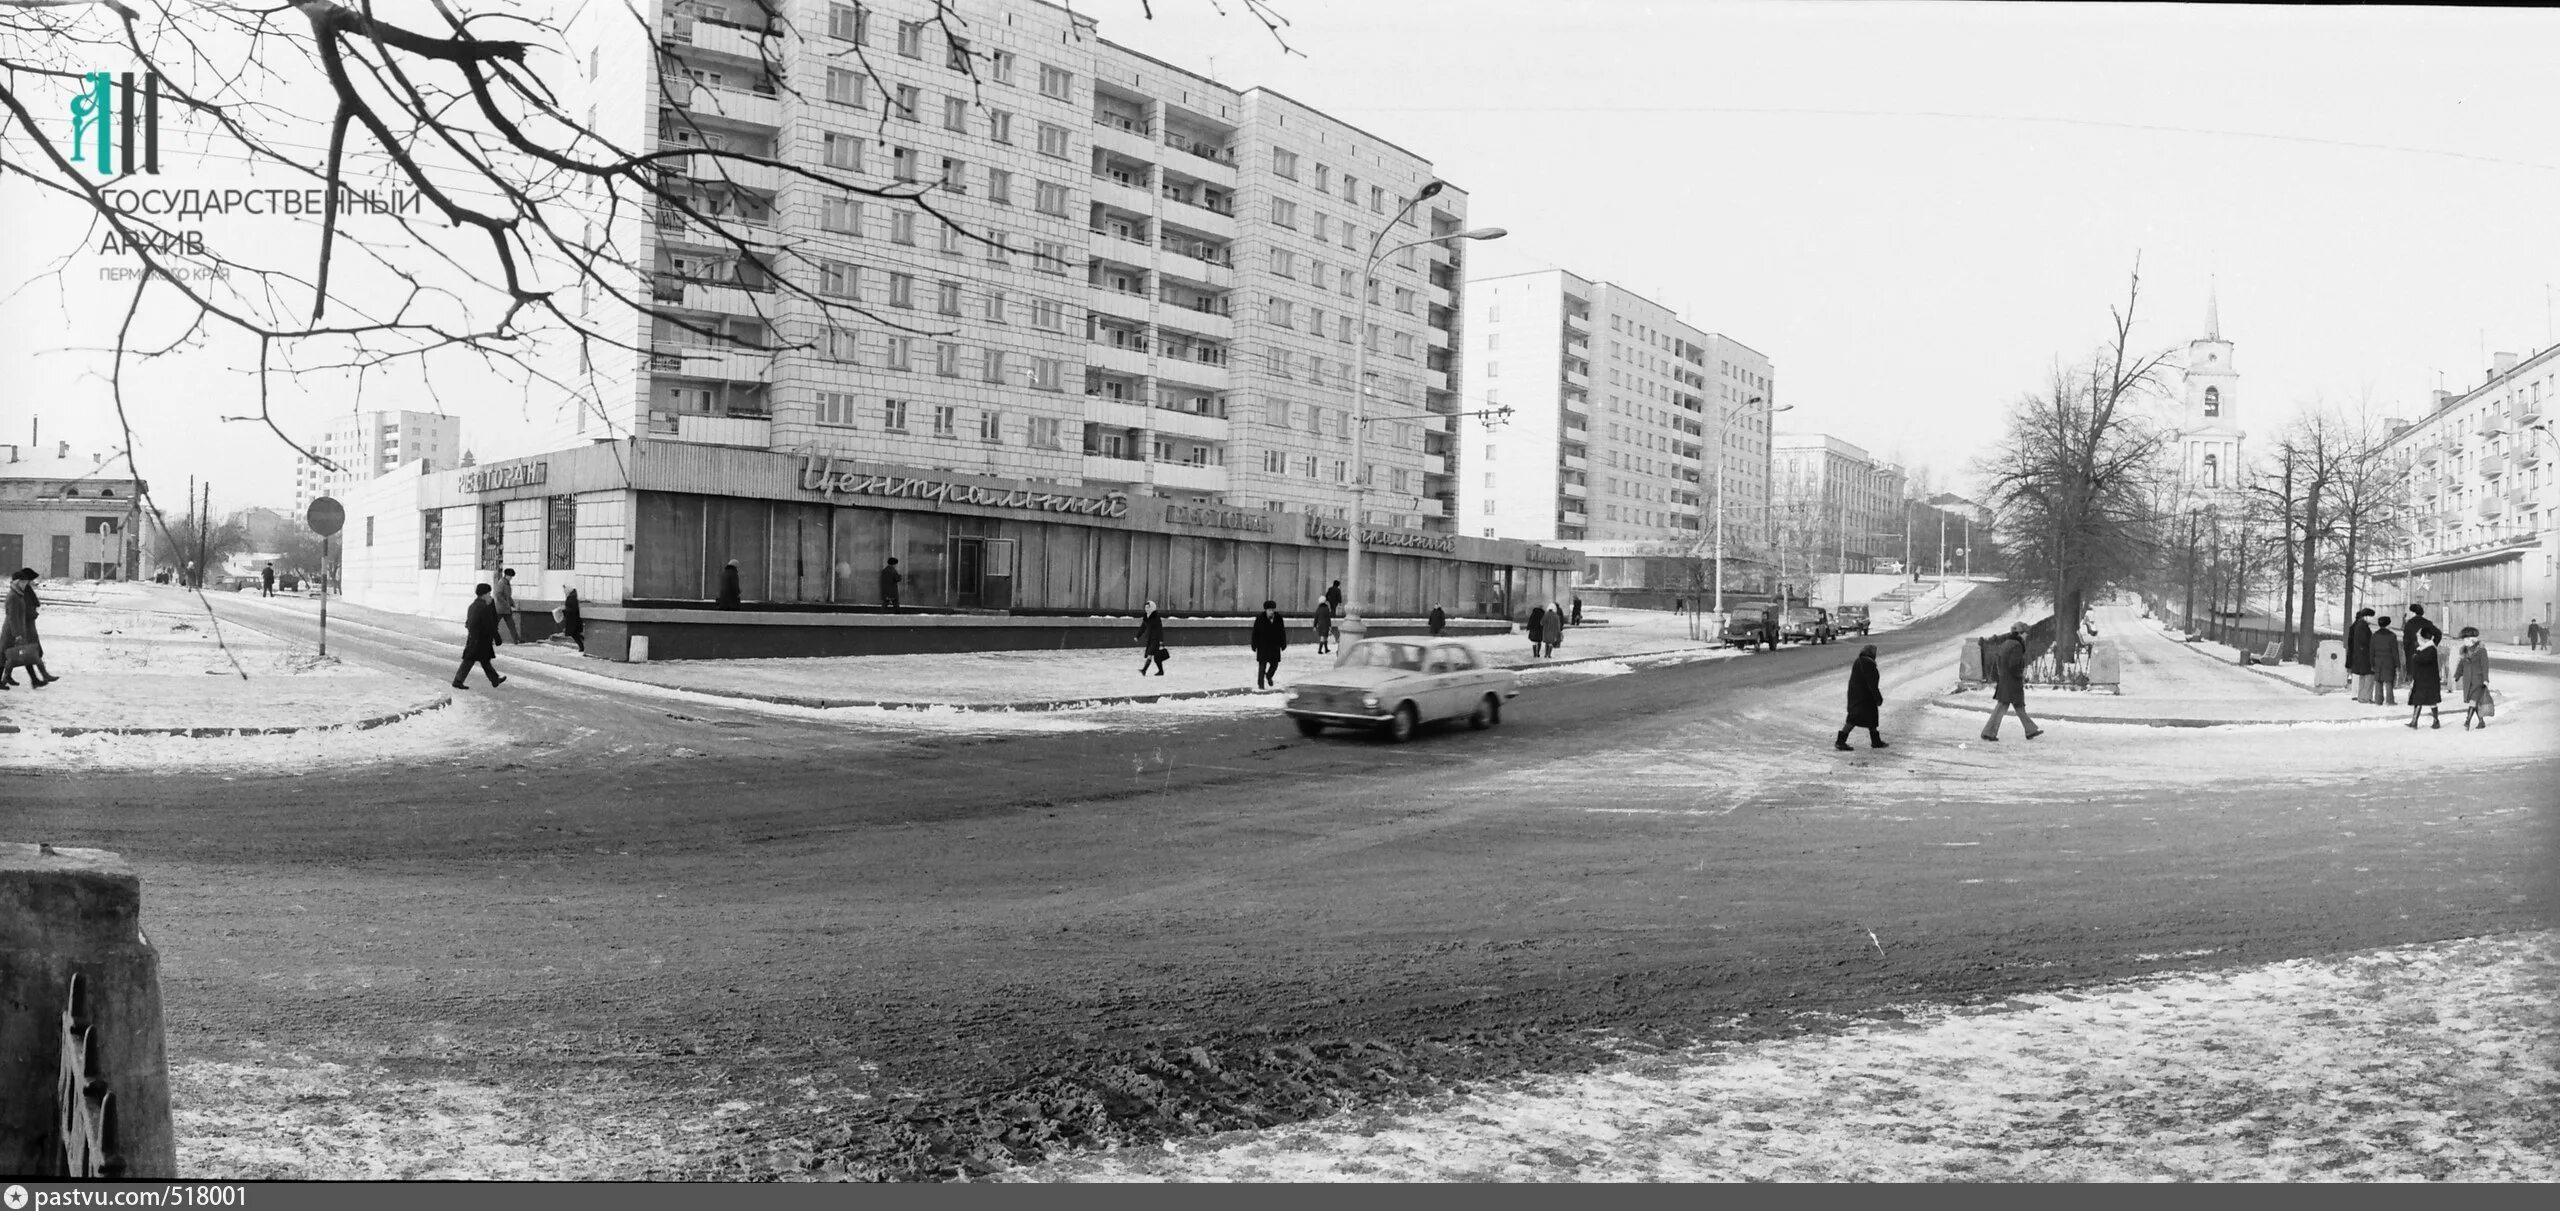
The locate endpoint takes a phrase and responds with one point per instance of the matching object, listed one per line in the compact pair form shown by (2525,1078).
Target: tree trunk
(2303,650)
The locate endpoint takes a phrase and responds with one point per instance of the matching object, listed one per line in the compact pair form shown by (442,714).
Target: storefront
(645,532)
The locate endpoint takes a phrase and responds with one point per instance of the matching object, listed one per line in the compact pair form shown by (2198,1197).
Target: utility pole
(204,524)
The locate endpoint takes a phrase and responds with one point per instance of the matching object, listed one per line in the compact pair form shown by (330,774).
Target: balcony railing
(1206,151)
(1123,122)
(1225,207)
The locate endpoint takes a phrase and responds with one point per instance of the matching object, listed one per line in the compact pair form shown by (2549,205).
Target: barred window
(560,552)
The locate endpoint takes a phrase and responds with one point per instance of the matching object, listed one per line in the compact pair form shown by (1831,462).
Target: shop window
(431,538)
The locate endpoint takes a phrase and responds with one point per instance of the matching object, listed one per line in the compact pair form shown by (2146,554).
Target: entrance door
(13,553)
(61,557)
(968,572)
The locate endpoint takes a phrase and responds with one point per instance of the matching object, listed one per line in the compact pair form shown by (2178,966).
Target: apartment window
(844,87)
(956,56)
(999,252)
(946,359)
(1324,177)
(902,292)
(1404,344)
(1053,140)
(1284,313)
(911,39)
(902,353)
(1284,212)
(1000,66)
(1284,163)
(1057,82)
(1052,199)
(955,114)
(1342,329)
(1284,262)
(1323,223)
(838,280)
(1377,199)
(839,345)
(902,226)
(848,21)
(893,415)
(835,408)
(1048,374)
(955,175)
(431,538)
(902,165)
(1000,126)
(1493,340)
(1488,511)
(1053,257)
(843,151)
(908,97)
(1000,187)
(1275,462)
(1307,466)
(1346,284)
(1047,314)
(1044,432)
(1341,471)
(1283,362)
(1315,320)
(842,214)
(991,365)
(368,522)
(951,240)
(946,420)
(947,298)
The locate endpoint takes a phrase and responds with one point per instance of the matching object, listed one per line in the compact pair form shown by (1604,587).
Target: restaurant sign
(1322,530)
(831,478)
(1553,558)
(500,476)
(1223,519)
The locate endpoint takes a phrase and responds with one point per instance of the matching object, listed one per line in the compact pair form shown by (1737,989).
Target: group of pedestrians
(2381,660)
(20,648)
(1546,627)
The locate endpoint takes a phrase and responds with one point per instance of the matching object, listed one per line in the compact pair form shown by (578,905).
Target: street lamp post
(1350,624)
(1725,428)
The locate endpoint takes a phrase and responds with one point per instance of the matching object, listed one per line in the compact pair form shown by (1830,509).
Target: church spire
(2212,311)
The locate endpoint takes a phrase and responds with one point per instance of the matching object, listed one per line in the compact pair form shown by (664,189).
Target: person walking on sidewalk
(572,623)
(2417,627)
(2471,672)
(2360,653)
(1439,620)
(267,581)
(1768,628)
(1577,610)
(1151,647)
(479,638)
(1866,700)
(18,630)
(2009,682)
(1333,597)
(731,592)
(506,599)
(1537,632)
(1270,638)
(2426,681)
(1324,625)
(890,578)
(2533,636)
(2386,663)
(1555,627)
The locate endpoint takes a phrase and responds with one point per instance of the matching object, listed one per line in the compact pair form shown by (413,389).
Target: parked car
(1398,685)
(1850,618)
(1741,631)
(1806,624)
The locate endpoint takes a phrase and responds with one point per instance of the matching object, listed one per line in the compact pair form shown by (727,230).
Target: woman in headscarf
(2426,681)
(19,630)
(2471,672)
(1866,699)
(573,624)
(1151,641)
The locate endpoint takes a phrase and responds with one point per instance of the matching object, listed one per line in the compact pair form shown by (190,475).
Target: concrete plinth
(78,913)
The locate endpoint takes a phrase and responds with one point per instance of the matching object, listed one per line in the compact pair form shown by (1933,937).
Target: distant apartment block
(1837,507)
(365,445)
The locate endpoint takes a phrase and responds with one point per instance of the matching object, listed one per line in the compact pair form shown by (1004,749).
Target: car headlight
(1369,700)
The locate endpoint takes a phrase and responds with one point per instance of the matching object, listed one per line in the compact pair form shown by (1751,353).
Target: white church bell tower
(2209,433)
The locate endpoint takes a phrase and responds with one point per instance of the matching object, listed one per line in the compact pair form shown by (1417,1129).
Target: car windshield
(1377,654)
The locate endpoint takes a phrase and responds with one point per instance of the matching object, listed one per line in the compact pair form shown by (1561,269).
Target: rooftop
(60,461)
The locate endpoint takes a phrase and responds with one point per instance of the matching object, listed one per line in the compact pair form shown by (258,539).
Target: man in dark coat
(2360,654)
(1537,631)
(1577,611)
(1866,699)
(479,638)
(1439,620)
(2426,680)
(1151,641)
(890,578)
(267,581)
(1768,629)
(1333,597)
(729,591)
(572,623)
(2418,627)
(2385,652)
(1324,625)
(18,627)
(1270,638)
(2009,682)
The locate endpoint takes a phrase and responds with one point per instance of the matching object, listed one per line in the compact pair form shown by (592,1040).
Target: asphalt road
(917,954)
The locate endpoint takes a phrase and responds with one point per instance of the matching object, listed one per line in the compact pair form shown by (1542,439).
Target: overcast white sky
(1913,208)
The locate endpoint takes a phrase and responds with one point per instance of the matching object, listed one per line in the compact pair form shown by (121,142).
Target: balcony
(1135,199)
(1119,304)
(1576,462)
(753,432)
(763,178)
(1210,161)
(1575,405)
(1117,359)
(727,298)
(1207,220)
(2493,422)
(1435,464)
(2530,455)
(727,104)
(2492,507)
(1577,322)
(1131,141)
(711,361)
(1212,324)
(1572,515)
(1441,296)
(673,227)
(2528,411)
(1191,477)
(2492,466)
(1576,491)
(1575,378)
(719,38)
(1437,380)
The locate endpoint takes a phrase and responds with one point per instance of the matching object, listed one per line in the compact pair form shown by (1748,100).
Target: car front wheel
(1403,724)
(1488,713)
(1310,727)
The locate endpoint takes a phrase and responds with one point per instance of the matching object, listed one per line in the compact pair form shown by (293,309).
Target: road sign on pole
(326,517)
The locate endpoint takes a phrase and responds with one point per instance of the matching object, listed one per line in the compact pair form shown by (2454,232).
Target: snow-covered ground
(461,727)
(2415,1062)
(125,664)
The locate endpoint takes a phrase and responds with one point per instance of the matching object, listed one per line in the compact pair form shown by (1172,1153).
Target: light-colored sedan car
(1397,685)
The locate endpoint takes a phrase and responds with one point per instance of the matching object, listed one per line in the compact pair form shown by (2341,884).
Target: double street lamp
(1350,623)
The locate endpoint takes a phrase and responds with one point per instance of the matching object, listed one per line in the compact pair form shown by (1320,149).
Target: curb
(206,733)
(1050,704)
(1950,702)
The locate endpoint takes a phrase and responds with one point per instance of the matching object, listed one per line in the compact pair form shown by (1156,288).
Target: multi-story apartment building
(365,445)
(1621,415)
(1839,508)
(1091,268)
(2481,489)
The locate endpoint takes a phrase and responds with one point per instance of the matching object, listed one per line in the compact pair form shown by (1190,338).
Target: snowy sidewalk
(1026,679)
(133,662)
(2169,683)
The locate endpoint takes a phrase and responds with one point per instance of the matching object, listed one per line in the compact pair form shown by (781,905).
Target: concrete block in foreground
(71,942)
